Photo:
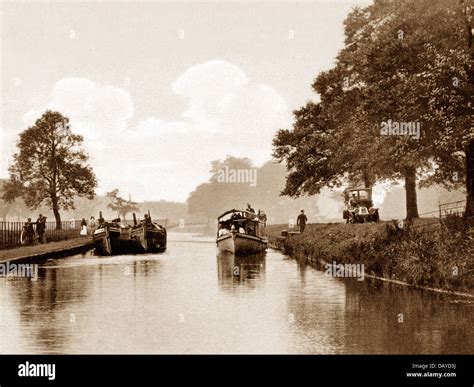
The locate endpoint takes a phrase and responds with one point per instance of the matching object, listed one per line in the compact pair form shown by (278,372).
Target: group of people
(29,230)
(235,223)
(35,232)
(91,226)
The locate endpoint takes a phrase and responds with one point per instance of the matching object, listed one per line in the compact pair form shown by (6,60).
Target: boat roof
(234,210)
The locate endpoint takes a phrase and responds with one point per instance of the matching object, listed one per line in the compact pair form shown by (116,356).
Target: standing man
(301,221)
(92,225)
(250,209)
(41,227)
(29,232)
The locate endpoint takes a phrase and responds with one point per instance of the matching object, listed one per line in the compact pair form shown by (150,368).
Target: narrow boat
(241,231)
(155,235)
(114,238)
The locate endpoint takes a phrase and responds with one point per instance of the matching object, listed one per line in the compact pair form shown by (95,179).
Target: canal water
(188,300)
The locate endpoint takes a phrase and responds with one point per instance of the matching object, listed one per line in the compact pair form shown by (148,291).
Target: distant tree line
(234,182)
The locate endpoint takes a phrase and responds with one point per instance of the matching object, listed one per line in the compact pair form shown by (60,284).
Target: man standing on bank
(301,221)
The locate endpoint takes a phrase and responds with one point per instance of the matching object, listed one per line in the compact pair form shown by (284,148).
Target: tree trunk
(410,190)
(469,179)
(367,177)
(57,215)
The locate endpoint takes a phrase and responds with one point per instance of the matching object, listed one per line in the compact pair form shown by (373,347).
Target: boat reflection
(235,270)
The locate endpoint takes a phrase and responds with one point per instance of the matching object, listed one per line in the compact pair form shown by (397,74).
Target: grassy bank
(434,255)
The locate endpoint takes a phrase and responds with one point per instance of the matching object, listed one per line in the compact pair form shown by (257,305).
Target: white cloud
(244,116)
(93,109)
(226,113)
(210,88)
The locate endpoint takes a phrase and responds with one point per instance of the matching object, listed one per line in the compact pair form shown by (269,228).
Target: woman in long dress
(83,227)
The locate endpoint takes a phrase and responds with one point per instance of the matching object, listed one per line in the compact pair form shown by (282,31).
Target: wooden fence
(10,232)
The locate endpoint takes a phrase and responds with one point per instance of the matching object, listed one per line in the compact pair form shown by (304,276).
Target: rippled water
(188,300)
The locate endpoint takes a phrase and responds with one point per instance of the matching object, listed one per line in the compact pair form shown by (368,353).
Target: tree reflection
(387,318)
(47,306)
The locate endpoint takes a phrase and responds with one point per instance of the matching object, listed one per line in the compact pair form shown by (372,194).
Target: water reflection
(316,305)
(248,269)
(373,317)
(403,320)
(187,301)
(44,306)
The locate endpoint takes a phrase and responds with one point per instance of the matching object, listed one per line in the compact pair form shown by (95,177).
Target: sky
(161,89)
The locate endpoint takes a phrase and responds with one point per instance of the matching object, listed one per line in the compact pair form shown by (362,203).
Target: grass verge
(426,254)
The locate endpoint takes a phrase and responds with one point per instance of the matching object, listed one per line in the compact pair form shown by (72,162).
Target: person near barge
(92,225)
(41,228)
(83,227)
(301,221)
(29,232)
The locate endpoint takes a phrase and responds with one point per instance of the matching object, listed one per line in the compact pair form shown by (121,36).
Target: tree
(212,198)
(409,58)
(120,205)
(402,62)
(222,193)
(310,151)
(466,8)
(50,166)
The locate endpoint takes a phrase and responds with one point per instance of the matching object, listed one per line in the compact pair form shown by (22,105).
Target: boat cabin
(243,222)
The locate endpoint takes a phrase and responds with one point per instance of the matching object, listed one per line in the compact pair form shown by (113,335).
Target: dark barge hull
(156,238)
(114,240)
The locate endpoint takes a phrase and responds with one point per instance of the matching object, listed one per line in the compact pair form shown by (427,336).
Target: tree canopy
(403,65)
(120,205)
(50,166)
(212,198)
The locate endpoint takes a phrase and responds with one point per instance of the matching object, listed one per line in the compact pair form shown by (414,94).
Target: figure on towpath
(301,221)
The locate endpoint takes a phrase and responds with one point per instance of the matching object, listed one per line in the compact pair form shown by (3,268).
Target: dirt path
(47,250)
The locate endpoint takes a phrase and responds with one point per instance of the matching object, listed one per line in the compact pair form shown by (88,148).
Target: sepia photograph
(237,178)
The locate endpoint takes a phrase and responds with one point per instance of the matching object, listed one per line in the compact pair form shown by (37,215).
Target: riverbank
(437,257)
(65,247)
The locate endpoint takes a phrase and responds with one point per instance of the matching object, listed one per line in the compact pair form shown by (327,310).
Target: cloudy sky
(159,90)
